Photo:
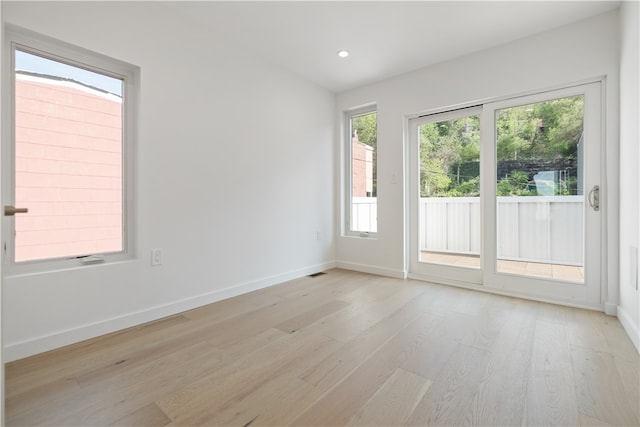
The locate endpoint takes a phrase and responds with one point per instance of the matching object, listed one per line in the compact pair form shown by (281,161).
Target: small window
(71,154)
(362,191)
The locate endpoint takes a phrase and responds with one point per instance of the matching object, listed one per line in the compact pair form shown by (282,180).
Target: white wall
(235,174)
(585,50)
(628,310)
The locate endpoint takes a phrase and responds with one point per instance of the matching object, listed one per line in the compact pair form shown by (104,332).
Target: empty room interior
(320,213)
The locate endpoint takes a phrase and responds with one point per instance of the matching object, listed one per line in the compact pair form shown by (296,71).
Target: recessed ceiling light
(343,53)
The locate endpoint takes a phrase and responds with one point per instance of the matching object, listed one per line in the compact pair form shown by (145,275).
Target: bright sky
(37,64)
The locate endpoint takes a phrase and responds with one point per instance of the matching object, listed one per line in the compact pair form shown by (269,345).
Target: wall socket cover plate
(156,256)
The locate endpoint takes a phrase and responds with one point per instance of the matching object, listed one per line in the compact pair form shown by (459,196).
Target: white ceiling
(385,38)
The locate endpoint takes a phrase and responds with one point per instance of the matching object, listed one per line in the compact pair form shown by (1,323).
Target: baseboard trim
(610,309)
(630,328)
(33,346)
(364,268)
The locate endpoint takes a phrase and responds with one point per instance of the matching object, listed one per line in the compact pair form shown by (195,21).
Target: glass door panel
(449,224)
(540,189)
(445,213)
(542,183)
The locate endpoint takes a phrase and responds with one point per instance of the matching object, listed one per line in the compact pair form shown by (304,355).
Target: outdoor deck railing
(531,228)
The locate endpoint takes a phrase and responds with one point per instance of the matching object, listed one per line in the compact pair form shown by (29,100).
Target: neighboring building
(362,168)
(68,168)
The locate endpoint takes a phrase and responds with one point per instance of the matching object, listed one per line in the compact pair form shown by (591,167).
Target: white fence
(533,228)
(450,224)
(364,214)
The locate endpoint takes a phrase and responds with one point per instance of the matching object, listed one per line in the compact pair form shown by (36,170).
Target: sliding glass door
(508,195)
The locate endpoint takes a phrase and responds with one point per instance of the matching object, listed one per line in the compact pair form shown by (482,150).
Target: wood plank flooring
(343,348)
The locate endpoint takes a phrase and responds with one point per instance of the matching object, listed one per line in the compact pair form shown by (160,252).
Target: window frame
(349,115)
(47,47)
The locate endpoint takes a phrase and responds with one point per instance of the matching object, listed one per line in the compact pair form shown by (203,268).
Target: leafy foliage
(444,147)
(366,127)
(544,130)
(450,150)
(516,184)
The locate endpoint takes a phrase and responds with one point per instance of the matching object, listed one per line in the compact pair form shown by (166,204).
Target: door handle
(595,193)
(11,211)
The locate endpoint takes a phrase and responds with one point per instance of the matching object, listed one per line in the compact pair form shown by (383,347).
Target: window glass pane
(540,189)
(449,210)
(68,160)
(364,135)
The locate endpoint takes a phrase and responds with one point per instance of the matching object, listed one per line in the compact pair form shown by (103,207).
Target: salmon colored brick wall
(361,168)
(68,169)
(358,169)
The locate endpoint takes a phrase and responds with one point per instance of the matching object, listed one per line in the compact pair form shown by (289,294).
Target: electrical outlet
(156,256)
(318,235)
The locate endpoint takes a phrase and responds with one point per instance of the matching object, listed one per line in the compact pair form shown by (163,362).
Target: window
(71,138)
(361,144)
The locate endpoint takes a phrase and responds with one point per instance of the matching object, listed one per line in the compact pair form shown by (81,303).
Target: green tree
(444,147)
(542,131)
(545,130)
(469,188)
(367,128)
(562,121)
(433,179)
(516,184)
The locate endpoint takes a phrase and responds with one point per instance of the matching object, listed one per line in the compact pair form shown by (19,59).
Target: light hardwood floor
(343,348)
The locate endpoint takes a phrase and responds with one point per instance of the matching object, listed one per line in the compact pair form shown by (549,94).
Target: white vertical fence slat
(566,232)
(533,220)
(364,214)
(508,236)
